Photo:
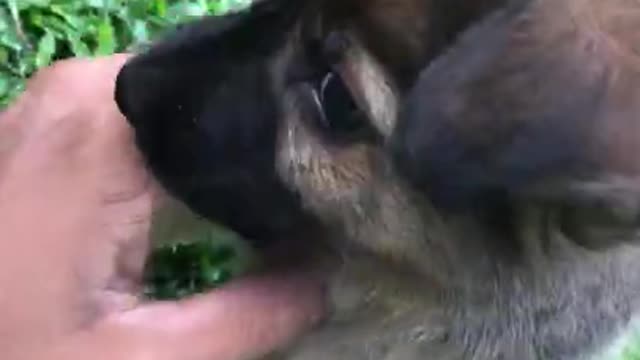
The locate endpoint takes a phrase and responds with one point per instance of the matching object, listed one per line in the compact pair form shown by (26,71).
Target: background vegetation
(33,33)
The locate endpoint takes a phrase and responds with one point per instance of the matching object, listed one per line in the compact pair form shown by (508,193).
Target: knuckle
(63,79)
(59,69)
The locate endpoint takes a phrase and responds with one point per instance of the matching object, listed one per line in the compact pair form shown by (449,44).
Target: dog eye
(341,113)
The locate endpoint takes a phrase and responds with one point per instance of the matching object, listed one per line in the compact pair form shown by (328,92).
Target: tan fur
(352,188)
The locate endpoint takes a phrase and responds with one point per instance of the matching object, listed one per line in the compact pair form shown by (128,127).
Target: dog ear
(526,98)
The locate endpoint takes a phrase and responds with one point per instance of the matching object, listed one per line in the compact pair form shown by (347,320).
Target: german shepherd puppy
(463,173)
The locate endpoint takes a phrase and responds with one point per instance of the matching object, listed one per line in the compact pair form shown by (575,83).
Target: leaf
(55,25)
(11,40)
(184,11)
(140,31)
(78,47)
(46,49)
(5,20)
(161,7)
(15,88)
(4,56)
(26,4)
(72,20)
(137,9)
(214,276)
(4,86)
(106,38)
(98,4)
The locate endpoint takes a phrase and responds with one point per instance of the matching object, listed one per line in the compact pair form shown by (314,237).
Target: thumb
(244,320)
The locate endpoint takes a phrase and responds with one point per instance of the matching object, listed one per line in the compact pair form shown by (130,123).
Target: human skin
(75,217)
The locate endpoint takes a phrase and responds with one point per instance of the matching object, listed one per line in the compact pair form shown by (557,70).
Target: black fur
(206,118)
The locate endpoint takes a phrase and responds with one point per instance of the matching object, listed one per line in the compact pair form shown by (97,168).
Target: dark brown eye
(324,93)
(341,114)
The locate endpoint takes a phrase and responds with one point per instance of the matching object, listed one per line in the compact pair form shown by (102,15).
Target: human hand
(75,215)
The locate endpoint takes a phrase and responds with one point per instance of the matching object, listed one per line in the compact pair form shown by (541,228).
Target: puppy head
(272,118)
(205,116)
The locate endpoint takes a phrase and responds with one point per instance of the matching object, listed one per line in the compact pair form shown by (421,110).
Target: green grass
(33,33)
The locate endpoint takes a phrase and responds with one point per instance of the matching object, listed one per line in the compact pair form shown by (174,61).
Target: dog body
(477,198)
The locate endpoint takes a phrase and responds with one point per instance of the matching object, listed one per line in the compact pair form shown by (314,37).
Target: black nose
(133,91)
(126,92)
(122,90)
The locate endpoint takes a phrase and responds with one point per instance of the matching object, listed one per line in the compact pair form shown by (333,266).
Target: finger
(241,321)
(65,72)
(244,320)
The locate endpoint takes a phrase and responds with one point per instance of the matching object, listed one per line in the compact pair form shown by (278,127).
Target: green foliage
(632,350)
(182,269)
(33,33)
